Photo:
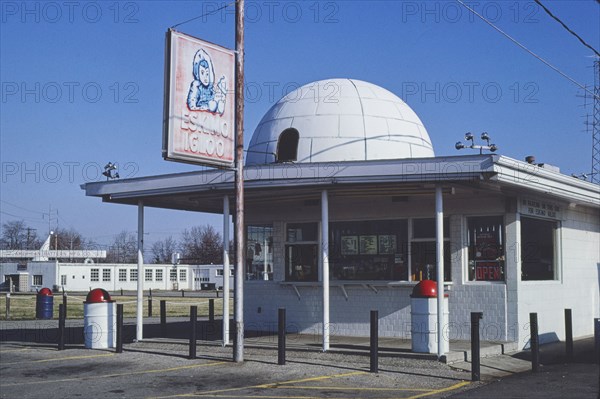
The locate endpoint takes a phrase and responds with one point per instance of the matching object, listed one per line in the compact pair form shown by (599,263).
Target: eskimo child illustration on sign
(204,94)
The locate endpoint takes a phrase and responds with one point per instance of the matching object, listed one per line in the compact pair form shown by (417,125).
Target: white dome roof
(341,120)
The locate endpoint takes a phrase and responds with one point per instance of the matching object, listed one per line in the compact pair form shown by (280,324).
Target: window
(301,252)
(63,279)
(37,279)
(122,274)
(485,239)
(173,274)
(287,145)
(370,250)
(133,274)
(95,275)
(259,253)
(538,254)
(423,252)
(159,275)
(105,274)
(148,275)
(182,275)
(219,272)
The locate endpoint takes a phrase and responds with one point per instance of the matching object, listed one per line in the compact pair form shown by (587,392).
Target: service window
(259,252)
(368,250)
(301,252)
(423,252)
(539,248)
(485,239)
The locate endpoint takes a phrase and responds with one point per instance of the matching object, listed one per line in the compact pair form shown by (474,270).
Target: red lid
(97,295)
(45,292)
(425,289)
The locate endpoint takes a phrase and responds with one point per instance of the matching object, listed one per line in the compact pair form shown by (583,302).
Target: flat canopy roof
(203,191)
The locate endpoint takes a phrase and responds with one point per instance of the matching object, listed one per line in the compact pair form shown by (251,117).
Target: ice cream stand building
(341,175)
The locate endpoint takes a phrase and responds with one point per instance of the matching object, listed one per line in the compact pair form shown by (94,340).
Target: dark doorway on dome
(287,145)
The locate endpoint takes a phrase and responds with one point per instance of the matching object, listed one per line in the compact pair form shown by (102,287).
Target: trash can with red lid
(99,320)
(423,317)
(44,304)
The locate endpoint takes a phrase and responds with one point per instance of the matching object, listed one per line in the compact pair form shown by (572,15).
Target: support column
(325,266)
(226,270)
(439,240)
(140,273)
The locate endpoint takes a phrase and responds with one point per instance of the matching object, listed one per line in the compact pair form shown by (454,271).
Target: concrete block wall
(577,286)
(347,317)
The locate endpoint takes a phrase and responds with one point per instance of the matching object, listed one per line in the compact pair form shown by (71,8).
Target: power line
(566,27)
(205,14)
(20,207)
(515,41)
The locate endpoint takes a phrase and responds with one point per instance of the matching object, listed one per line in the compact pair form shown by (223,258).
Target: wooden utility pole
(238,350)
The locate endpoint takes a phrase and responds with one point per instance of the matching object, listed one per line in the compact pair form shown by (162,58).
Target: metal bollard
(150,306)
(61,326)
(281,337)
(121,291)
(64,300)
(7,305)
(569,334)
(211,310)
(597,339)
(534,342)
(163,318)
(119,328)
(374,341)
(182,293)
(475,346)
(193,322)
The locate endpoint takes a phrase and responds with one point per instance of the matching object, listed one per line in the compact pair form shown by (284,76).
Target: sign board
(198,124)
(539,208)
(488,271)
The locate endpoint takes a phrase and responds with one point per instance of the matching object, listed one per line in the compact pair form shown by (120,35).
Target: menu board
(349,245)
(368,245)
(387,244)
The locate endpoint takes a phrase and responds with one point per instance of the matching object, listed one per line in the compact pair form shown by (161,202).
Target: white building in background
(342,190)
(31,276)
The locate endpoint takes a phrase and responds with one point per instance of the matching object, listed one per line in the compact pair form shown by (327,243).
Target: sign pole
(238,350)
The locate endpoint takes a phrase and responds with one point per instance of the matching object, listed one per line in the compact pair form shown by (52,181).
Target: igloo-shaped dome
(338,120)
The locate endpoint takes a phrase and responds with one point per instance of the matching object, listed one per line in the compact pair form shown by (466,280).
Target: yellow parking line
(270,385)
(436,391)
(129,373)
(351,388)
(13,350)
(59,359)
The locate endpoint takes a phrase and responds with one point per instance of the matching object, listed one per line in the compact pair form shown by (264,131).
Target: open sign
(488,271)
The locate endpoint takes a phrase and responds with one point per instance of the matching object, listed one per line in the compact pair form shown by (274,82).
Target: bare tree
(202,245)
(162,250)
(17,235)
(123,248)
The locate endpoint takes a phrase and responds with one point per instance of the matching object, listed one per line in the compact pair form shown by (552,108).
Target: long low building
(31,276)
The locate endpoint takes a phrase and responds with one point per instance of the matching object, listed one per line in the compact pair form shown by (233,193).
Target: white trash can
(423,317)
(99,320)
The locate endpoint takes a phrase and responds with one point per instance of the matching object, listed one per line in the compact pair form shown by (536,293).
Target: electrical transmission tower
(595,176)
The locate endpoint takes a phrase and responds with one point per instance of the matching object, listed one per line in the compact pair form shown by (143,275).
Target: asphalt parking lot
(159,368)
(31,366)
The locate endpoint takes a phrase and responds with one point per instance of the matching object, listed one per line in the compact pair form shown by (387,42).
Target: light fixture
(108,171)
(484,136)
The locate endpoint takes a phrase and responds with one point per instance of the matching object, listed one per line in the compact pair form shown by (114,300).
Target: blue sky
(82,84)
